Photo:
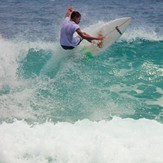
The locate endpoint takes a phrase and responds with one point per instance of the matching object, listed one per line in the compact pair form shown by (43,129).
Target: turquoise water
(125,80)
(57,106)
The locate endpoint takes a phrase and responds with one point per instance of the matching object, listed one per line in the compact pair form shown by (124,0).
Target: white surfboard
(111,30)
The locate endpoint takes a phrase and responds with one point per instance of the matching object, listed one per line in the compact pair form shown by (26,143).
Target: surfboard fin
(118,30)
(87,53)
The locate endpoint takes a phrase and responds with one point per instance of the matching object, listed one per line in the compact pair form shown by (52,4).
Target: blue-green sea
(58,106)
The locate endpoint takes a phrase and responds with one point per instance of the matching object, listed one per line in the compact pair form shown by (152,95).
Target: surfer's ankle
(99,44)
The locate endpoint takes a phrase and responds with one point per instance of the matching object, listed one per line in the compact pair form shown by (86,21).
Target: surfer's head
(76,16)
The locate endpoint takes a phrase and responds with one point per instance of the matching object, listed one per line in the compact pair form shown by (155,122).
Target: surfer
(70,26)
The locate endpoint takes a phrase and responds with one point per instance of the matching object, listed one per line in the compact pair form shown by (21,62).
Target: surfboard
(111,30)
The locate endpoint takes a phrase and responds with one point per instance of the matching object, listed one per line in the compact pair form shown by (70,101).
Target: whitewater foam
(118,140)
(144,33)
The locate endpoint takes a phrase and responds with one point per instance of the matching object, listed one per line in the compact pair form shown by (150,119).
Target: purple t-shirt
(68,28)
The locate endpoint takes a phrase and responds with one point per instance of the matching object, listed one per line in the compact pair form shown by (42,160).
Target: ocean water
(59,107)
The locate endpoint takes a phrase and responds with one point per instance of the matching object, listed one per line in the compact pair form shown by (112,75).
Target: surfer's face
(77,20)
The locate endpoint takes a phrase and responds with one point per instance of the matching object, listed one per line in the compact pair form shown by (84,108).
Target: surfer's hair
(75,14)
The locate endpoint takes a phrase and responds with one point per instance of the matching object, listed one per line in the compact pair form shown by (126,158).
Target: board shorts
(71,47)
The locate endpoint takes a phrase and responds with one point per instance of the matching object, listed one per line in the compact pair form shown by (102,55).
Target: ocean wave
(40,81)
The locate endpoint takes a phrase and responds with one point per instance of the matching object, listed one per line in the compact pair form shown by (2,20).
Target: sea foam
(117,140)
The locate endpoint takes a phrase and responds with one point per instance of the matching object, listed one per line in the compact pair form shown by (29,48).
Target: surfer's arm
(68,12)
(88,37)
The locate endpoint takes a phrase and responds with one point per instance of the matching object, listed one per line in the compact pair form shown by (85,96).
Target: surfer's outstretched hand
(69,8)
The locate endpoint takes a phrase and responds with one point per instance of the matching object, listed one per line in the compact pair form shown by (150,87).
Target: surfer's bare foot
(99,44)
